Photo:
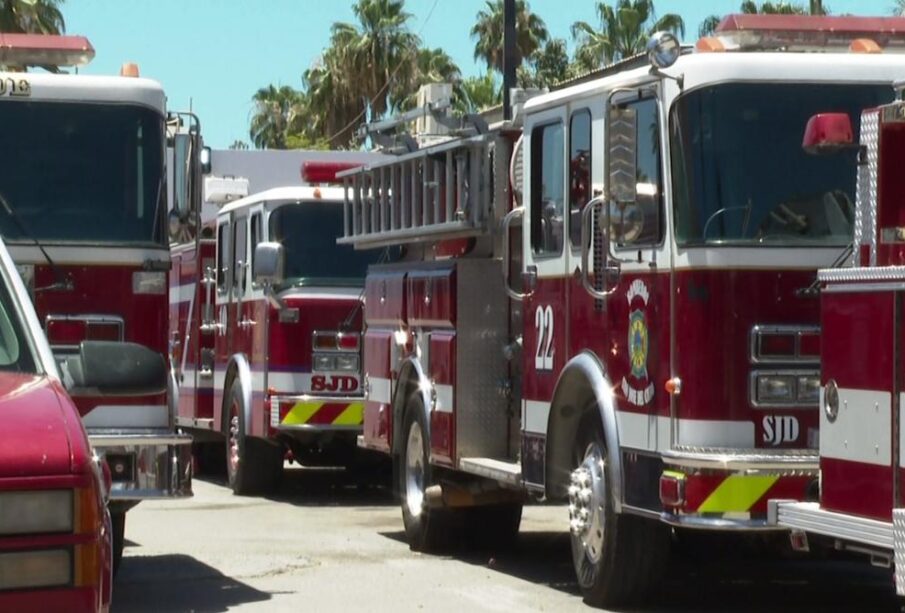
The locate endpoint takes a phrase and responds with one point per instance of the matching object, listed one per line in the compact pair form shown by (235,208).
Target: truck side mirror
(115,368)
(182,172)
(828,133)
(268,264)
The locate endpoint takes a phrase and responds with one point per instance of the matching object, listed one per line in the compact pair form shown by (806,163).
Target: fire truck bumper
(317,413)
(810,518)
(146,465)
(729,489)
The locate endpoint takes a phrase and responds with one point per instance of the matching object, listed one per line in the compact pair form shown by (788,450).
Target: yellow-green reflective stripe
(737,493)
(301,413)
(352,415)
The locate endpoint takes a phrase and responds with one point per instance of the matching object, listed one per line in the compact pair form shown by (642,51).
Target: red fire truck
(862,430)
(83,205)
(657,365)
(268,359)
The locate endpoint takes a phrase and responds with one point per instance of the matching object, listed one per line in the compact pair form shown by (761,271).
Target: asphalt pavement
(324,543)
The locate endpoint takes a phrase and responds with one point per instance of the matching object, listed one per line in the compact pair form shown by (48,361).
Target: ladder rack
(441,192)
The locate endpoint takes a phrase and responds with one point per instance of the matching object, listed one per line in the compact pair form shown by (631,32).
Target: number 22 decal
(543,322)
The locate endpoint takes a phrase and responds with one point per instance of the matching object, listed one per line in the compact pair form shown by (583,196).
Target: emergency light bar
(806,33)
(22,50)
(325,172)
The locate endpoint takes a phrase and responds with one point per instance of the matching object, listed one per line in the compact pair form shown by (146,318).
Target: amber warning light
(325,172)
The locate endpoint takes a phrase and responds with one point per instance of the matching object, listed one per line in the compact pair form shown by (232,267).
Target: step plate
(509,473)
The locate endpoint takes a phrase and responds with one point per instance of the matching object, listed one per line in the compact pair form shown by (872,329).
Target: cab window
(547,189)
(640,223)
(222,257)
(579,171)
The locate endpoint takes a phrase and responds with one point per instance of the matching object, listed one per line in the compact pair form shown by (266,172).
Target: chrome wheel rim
(587,504)
(414,470)
(233,459)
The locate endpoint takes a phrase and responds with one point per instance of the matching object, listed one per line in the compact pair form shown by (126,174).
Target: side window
(579,171)
(240,251)
(547,189)
(222,256)
(641,223)
(256,238)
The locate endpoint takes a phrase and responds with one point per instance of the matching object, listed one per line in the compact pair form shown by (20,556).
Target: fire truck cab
(267,316)
(83,212)
(606,301)
(862,394)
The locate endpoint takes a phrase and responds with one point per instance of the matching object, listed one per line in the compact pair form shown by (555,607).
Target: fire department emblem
(638,388)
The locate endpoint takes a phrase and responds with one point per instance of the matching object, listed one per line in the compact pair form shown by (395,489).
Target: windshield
(740,175)
(308,232)
(81,172)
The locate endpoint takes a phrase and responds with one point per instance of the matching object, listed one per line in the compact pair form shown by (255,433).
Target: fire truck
(83,201)
(608,300)
(266,328)
(862,431)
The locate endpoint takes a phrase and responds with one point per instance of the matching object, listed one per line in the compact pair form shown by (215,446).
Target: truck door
(221,343)
(236,322)
(628,329)
(545,252)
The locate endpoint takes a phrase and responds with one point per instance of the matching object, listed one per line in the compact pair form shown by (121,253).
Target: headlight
(775,388)
(809,390)
(324,362)
(347,362)
(32,569)
(36,512)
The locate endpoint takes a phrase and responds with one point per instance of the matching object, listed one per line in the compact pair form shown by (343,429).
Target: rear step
(508,473)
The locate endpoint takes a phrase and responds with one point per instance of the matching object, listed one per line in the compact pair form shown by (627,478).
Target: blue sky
(217,53)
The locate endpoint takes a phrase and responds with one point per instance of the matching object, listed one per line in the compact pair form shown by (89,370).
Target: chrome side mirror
(663,49)
(268,264)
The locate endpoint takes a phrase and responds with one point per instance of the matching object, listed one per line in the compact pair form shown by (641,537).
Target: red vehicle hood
(39,428)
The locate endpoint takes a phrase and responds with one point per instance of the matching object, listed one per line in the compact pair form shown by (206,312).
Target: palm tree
(278,113)
(32,16)
(530,33)
(549,66)
(898,8)
(475,94)
(624,31)
(708,26)
(361,67)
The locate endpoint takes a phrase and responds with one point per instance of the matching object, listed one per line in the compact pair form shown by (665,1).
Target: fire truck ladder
(440,192)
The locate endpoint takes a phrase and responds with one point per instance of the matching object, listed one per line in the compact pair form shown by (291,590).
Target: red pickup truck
(55,530)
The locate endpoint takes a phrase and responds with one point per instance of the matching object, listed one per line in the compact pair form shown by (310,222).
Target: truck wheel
(118,521)
(617,557)
(253,466)
(425,529)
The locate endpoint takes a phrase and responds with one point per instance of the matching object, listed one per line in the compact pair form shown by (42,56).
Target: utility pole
(508,55)
(816,7)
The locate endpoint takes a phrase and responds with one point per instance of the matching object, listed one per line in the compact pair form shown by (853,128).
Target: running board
(508,473)
(809,517)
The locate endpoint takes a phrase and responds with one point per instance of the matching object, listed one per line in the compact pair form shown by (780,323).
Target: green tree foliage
(548,66)
(623,32)
(475,94)
(31,17)
(278,111)
(530,29)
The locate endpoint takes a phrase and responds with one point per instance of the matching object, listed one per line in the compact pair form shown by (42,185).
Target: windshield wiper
(61,282)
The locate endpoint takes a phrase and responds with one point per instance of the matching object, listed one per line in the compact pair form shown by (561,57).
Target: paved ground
(324,545)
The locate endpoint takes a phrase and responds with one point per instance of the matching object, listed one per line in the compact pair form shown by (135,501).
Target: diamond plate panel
(866,193)
(898,545)
(482,411)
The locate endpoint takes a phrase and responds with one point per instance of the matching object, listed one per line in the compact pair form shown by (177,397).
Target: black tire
(620,557)
(253,466)
(426,529)
(118,522)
